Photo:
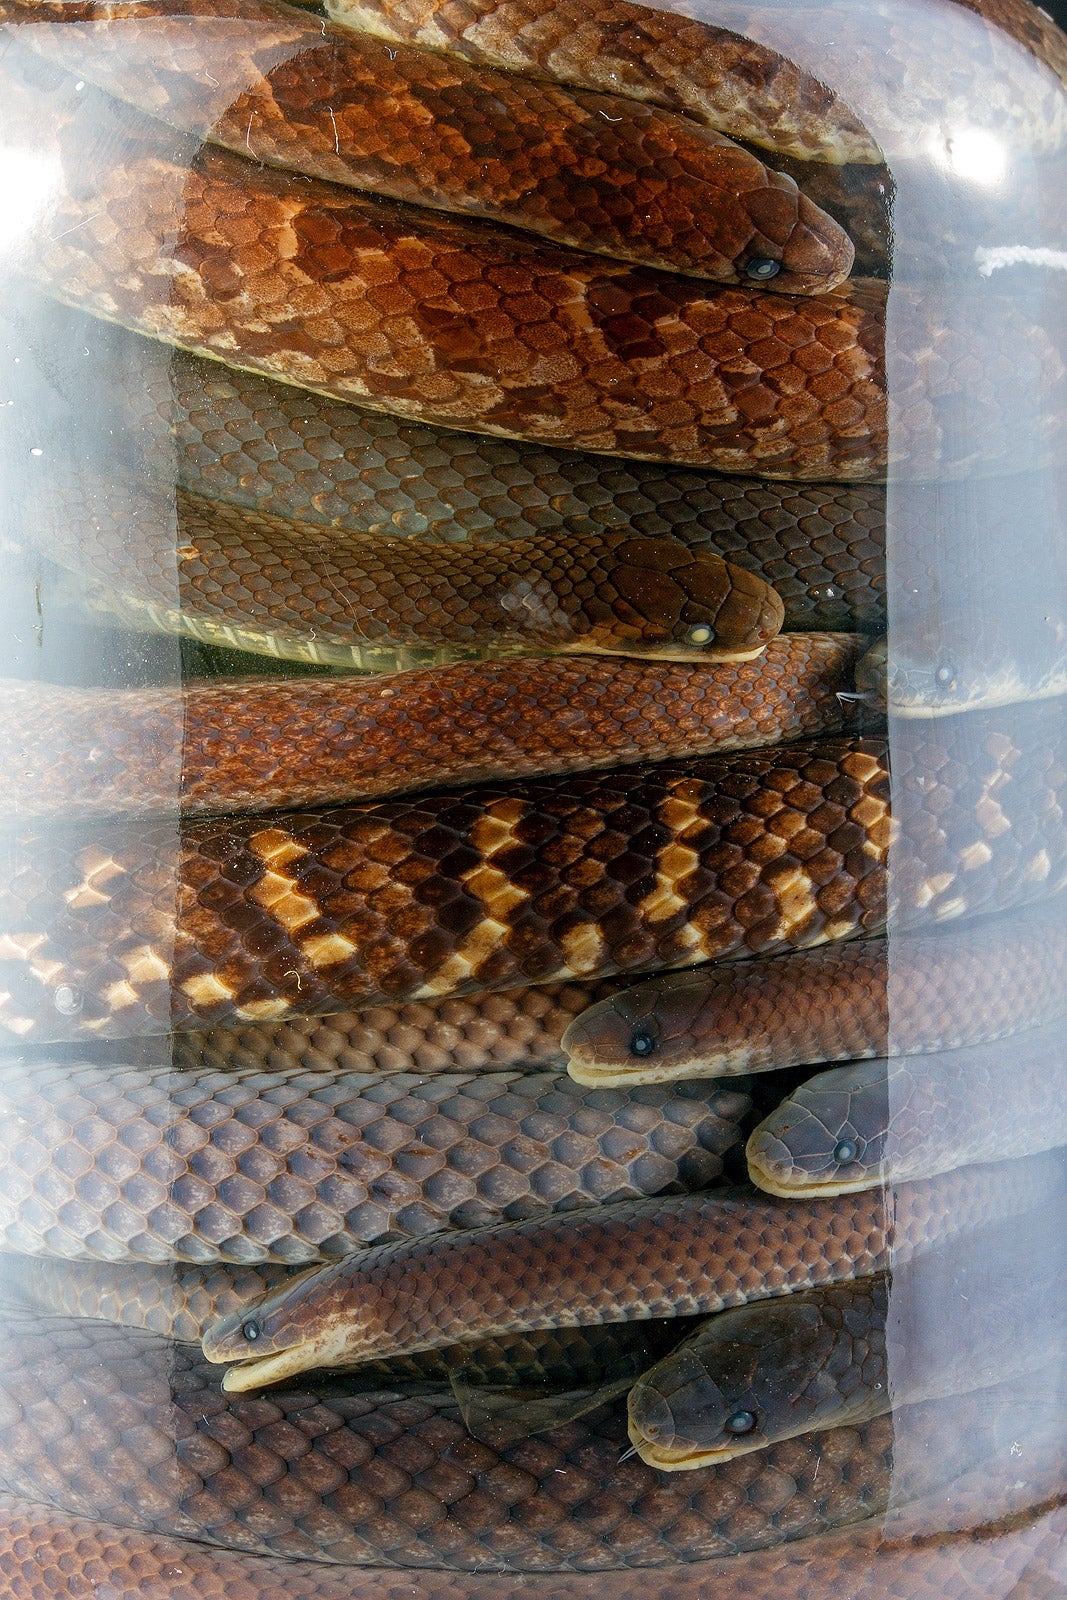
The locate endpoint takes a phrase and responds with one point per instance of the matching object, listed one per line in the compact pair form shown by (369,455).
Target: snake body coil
(675,1256)
(117,929)
(262,744)
(583,169)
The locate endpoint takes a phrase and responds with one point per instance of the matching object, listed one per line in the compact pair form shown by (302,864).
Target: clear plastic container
(381,731)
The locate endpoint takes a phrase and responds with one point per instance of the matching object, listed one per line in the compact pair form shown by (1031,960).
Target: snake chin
(325,1349)
(776,1183)
(686,1459)
(694,655)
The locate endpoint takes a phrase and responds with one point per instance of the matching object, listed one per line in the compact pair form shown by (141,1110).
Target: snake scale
(494,887)
(1018,779)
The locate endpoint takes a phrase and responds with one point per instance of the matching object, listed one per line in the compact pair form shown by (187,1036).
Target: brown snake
(395,1479)
(372,603)
(600,172)
(672,1256)
(262,744)
(1019,1553)
(302,1166)
(510,337)
(493,887)
(1033,853)
(925,993)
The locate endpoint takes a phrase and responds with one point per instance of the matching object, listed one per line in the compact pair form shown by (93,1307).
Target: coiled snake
(748,853)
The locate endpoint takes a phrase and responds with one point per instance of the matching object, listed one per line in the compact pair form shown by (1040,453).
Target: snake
(394,1476)
(493,1031)
(1035,860)
(709,70)
(601,356)
(891,1120)
(989,1309)
(600,172)
(113,1162)
(943,666)
(361,599)
(923,992)
(320,742)
(673,1256)
(909,1557)
(407,899)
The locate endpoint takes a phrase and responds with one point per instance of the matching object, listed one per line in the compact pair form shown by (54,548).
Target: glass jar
(532,541)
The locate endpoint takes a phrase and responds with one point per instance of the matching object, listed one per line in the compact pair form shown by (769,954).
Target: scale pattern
(393,1478)
(479,1032)
(255,581)
(122,1163)
(258,745)
(911,1120)
(553,878)
(926,992)
(597,171)
(235,437)
(673,1256)
(742,67)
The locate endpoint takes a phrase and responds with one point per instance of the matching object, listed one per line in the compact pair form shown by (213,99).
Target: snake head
(745,1379)
(939,663)
(832,1135)
(675,1026)
(661,599)
(304,1324)
(796,247)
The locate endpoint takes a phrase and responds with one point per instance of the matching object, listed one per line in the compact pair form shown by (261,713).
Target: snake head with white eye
(748,1378)
(307,1322)
(828,1137)
(661,599)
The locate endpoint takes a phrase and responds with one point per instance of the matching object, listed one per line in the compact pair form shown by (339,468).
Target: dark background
(1057,9)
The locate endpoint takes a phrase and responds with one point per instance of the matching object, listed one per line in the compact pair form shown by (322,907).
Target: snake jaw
(324,1349)
(694,655)
(681,1459)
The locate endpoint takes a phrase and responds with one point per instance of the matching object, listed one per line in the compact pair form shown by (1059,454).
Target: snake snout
(650,1417)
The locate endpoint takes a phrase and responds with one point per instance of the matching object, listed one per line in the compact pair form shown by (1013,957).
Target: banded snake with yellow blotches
(1023,764)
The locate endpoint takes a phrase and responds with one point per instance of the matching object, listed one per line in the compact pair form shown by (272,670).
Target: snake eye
(701,633)
(250,1330)
(845,1150)
(762,267)
(740,1422)
(642,1044)
(945,676)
